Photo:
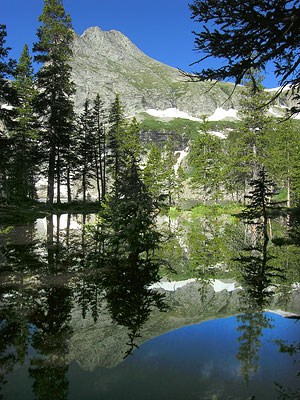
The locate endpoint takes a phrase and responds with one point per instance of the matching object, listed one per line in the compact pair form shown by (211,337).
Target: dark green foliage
(246,147)
(117,126)
(24,138)
(7,94)
(153,171)
(248,35)
(159,174)
(7,99)
(127,241)
(130,216)
(282,161)
(259,199)
(84,157)
(207,163)
(89,150)
(100,152)
(54,100)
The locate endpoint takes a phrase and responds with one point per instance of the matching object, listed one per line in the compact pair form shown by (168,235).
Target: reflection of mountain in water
(71,309)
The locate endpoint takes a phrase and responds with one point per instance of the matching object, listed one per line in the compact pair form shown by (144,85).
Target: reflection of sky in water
(75,223)
(198,362)
(194,362)
(206,353)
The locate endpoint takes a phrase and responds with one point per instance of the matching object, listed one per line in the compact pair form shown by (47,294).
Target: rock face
(107,62)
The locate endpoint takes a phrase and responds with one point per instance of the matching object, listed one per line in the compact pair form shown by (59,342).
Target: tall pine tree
(7,99)
(84,161)
(24,138)
(117,126)
(100,147)
(55,36)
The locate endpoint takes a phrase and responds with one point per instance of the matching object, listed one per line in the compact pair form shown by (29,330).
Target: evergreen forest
(44,140)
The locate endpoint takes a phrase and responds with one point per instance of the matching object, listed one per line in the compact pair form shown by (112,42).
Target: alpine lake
(214,323)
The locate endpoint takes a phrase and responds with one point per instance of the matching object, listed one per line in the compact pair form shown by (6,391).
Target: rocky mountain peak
(112,44)
(107,62)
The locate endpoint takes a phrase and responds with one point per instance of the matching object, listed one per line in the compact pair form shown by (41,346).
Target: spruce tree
(25,155)
(7,94)
(84,161)
(247,145)
(246,35)
(170,180)
(117,126)
(128,241)
(7,100)
(283,164)
(153,173)
(55,36)
(206,160)
(100,147)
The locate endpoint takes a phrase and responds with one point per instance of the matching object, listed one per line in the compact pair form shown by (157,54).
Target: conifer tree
(54,103)
(25,150)
(247,146)
(153,173)
(170,180)
(100,147)
(7,100)
(206,160)
(131,147)
(84,144)
(129,239)
(283,141)
(247,35)
(7,94)
(117,126)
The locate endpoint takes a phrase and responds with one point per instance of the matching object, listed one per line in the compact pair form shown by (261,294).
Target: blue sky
(160,28)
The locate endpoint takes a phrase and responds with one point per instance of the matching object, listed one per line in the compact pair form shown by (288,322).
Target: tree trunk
(84,186)
(58,172)
(69,193)
(51,175)
(98,173)
(288,203)
(103,167)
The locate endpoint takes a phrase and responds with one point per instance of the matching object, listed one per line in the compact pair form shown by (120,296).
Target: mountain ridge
(107,62)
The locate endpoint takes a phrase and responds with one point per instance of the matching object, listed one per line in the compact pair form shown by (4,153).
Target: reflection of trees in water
(40,318)
(20,251)
(293,350)
(36,315)
(50,339)
(116,261)
(14,330)
(265,262)
(258,274)
(126,263)
(128,298)
(251,325)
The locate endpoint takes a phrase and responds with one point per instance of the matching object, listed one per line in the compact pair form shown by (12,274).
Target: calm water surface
(195,362)
(65,330)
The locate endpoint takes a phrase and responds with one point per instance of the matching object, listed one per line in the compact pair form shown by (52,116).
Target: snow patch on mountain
(220,114)
(171,113)
(217,285)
